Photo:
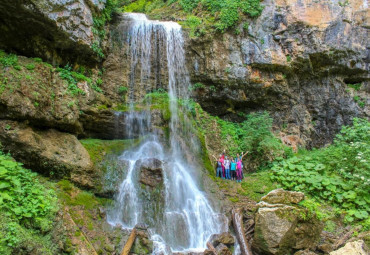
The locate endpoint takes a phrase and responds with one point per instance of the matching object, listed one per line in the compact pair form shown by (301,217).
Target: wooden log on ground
(211,248)
(239,231)
(129,243)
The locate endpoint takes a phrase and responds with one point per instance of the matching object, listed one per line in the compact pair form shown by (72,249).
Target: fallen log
(239,231)
(211,248)
(129,243)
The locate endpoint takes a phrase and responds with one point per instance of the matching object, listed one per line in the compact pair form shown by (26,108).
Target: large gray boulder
(280,196)
(281,228)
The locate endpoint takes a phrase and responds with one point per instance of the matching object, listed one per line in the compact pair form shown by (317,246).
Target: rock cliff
(296,61)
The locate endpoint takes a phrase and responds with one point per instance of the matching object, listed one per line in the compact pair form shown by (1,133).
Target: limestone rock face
(48,151)
(295,61)
(280,228)
(59,31)
(280,196)
(352,248)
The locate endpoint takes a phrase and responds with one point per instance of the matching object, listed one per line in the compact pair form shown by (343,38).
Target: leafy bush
(253,135)
(122,90)
(72,78)
(339,174)
(193,23)
(26,207)
(30,66)
(8,59)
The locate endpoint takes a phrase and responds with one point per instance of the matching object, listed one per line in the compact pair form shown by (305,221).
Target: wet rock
(223,250)
(142,244)
(352,248)
(151,172)
(281,228)
(280,196)
(50,152)
(224,238)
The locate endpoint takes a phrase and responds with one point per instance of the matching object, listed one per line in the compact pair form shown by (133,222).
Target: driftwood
(129,243)
(239,230)
(211,248)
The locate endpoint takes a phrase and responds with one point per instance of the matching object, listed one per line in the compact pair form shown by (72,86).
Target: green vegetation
(98,148)
(197,86)
(253,135)
(355,86)
(27,209)
(8,60)
(338,174)
(202,15)
(30,66)
(122,90)
(256,185)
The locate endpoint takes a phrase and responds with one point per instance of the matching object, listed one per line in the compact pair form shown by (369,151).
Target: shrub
(26,207)
(72,78)
(8,59)
(338,174)
(193,23)
(30,66)
(122,90)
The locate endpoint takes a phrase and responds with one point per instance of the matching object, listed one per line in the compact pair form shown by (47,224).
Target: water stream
(188,218)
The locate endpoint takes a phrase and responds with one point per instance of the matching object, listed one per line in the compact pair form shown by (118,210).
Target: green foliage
(193,23)
(355,86)
(338,174)
(8,59)
(136,6)
(253,135)
(288,58)
(256,185)
(122,90)
(30,66)
(197,86)
(26,206)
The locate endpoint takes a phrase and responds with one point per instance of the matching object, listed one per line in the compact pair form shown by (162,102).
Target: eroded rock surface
(280,228)
(280,196)
(50,152)
(59,31)
(295,61)
(353,248)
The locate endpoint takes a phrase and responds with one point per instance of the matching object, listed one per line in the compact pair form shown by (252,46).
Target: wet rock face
(48,151)
(151,172)
(151,192)
(295,61)
(59,31)
(280,228)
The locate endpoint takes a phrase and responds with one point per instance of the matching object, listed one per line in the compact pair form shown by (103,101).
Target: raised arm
(244,154)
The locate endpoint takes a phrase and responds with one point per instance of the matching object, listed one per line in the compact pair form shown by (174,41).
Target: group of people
(230,168)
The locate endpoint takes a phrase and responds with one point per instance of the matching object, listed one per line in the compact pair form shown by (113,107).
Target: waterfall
(188,218)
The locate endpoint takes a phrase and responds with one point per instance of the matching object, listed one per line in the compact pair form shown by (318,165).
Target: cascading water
(188,219)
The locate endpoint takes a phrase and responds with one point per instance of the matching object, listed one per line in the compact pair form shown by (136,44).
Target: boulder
(143,244)
(223,250)
(224,238)
(151,172)
(352,248)
(280,228)
(50,152)
(280,196)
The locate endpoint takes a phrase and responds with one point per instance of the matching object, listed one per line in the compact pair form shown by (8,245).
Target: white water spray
(188,220)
